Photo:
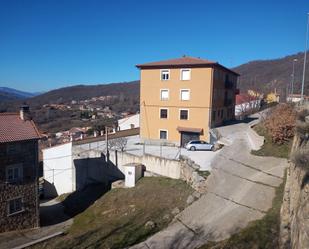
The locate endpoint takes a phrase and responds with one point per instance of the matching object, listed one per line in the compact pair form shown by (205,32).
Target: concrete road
(241,188)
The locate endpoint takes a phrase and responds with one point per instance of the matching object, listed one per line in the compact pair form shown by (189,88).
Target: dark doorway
(188,136)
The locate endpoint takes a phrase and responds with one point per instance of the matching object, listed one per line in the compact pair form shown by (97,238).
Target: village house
(182,99)
(129,122)
(296,98)
(273,97)
(19,137)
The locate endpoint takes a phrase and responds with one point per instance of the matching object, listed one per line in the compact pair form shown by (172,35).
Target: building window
(165,74)
(185,94)
(185,74)
(14,173)
(163,113)
(13,149)
(163,134)
(184,114)
(15,206)
(164,94)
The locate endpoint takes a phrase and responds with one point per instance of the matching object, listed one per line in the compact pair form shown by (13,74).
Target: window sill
(14,182)
(18,212)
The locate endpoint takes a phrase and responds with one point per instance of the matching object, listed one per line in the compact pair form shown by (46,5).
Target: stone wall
(189,173)
(294,230)
(27,154)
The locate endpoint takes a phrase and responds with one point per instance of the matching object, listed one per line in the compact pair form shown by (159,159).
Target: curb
(38,240)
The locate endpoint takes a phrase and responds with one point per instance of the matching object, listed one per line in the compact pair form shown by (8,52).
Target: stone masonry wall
(27,188)
(294,230)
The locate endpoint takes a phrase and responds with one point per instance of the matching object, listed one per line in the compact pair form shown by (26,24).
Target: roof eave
(163,66)
(168,66)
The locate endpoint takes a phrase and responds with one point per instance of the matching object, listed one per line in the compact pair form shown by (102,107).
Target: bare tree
(118,143)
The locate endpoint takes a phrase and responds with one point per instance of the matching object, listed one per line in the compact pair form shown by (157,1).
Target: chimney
(24,113)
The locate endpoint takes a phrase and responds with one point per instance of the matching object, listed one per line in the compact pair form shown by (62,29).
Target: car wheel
(192,148)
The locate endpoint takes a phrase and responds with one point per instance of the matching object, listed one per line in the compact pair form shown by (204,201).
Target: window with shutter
(185,94)
(185,74)
(164,94)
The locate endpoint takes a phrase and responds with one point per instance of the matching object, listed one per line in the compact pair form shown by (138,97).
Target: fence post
(144,148)
(53,176)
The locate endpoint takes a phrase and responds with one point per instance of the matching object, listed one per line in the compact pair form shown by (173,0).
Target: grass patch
(204,173)
(62,197)
(118,218)
(269,148)
(259,234)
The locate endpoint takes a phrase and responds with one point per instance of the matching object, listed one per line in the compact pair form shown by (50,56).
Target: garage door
(188,136)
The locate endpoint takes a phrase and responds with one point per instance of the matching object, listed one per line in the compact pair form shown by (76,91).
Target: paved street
(240,189)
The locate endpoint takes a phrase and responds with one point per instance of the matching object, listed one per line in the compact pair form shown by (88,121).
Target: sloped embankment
(294,230)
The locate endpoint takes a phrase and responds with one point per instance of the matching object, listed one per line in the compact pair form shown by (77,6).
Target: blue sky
(50,44)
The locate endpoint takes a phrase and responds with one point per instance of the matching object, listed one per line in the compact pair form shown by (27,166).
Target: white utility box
(132,173)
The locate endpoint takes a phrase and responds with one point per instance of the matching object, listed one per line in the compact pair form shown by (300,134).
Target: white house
(129,122)
(296,98)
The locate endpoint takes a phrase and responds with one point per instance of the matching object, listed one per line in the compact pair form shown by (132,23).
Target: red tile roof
(244,98)
(179,61)
(184,61)
(13,128)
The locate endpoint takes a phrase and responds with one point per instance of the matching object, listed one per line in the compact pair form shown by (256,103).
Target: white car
(198,145)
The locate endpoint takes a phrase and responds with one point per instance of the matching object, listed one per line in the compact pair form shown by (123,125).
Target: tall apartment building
(182,99)
(19,205)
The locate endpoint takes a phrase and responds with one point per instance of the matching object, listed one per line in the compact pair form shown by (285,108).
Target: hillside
(68,107)
(7,94)
(266,75)
(81,92)
(78,92)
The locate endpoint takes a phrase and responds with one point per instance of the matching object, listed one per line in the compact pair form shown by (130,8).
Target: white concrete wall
(247,106)
(125,123)
(58,170)
(165,167)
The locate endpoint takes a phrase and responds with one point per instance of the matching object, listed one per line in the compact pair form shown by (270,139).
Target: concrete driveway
(240,189)
(202,158)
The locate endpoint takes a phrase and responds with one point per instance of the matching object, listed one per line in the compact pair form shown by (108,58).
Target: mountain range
(261,75)
(7,93)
